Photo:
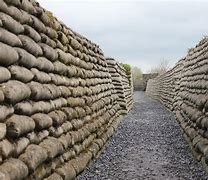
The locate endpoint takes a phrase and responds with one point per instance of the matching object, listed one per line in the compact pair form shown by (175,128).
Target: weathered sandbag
(49,52)
(55,131)
(40,76)
(25,108)
(75,44)
(45,39)
(65,140)
(15,91)
(32,33)
(67,126)
(42,121)
(1,96)
(26,59)
(37,90)
(2,130)
(60,68)
(62,38)
(34,155)
(43,107)
(70,112)
(18,125)
(52,146)
(6,148)
(54,176)
(21,73)
(37,137)
(2,175)
(11,24)
(28,7)
(15,3)
(4,74)
(51,33)
(66,171)
(30,45)
(14,169)
(8,55)
(9,38)
(5,111)
(44,64)
(37,24)
(58,117)
(20,145)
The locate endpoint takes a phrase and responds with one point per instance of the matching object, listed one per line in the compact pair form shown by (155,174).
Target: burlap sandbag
(11,24)
(15,91)
(60,68)
(30,45)
(49,52)
(51,33)
(29,31)
(40,76)
(58,117)
(37,24)
(28,7)
(45,39)
(1,96)
(15,169)
(52,146)
(67,171)
(9,38)
(6,148)
(4,74)
(44,64)
(5,111)
(18,125)
(42,121)
(55,131)
(20,145)
(21,73)
(2,130)
(34,155)
(8,55)
(25,108)
(67,126)
(15,3)
(54,176)
(65,140)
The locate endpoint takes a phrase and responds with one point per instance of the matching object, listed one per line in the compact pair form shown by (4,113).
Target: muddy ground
(147,145)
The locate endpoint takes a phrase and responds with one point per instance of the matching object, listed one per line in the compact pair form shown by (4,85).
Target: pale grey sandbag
(49,52)
(18,125)
(54,176)
(15,91)
(21,73)
(8,55)
(45,39)
(2,130)
(42,121)
(25,108)
(14,168)
(44,64)
(55,131)
(6,148)
(58,117)
(51,33)
(9,38)
(28,6)
(4,74)
(3,7)
(5,111)
(29,31)
(37,24)
(65,139)
(26,59)
(60,68)
(52,146)
(20,145)
(14,3)
(41,76)
(34,155)
(11,24)
(30,45)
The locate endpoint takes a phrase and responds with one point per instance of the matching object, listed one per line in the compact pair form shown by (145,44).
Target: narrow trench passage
(147,145)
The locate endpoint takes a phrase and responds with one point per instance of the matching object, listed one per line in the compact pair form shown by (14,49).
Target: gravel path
(147,145)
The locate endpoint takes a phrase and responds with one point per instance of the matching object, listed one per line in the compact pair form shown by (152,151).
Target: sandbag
(67,171)
(42,121)
(2,130)
(29,31)
(20,145)
(60,68)
(54,176)
(4,74)
(30,45)
(10,24)
(40,76)
(28,7)
(52,146)
(26,59)
(5,111)
(15,91)
(8,55)
(34,155)
(14,3)
(1,96)
(21,73)
(25,108)
(18,125)
(14,169)
(37,24)
(6,148)
(44,64)
(49,52)
(45,39)
(58,117)
(9,38)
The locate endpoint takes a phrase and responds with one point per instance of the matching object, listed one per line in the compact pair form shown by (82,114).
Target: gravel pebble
(147,145)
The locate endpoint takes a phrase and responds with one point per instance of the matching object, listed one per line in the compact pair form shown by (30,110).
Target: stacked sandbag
(123,85)
(58,106)
(184,90)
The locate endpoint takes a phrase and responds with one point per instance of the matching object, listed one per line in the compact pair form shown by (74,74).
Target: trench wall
(60,99)
(184,90)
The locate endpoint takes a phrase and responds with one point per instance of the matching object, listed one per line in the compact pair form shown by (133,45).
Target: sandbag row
(184,90)
(58,103)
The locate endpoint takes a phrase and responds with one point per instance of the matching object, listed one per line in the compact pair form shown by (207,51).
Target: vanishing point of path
(147,145)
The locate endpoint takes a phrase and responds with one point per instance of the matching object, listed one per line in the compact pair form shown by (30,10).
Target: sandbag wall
(184,90)
(58,104)
(122,83)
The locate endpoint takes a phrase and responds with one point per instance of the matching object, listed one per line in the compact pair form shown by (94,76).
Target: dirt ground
(147,145)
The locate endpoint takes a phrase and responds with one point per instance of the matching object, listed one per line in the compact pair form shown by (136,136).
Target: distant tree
(161,68)
(127,67)
(136,73)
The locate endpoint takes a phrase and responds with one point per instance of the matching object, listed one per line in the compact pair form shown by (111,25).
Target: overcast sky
(138,32)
